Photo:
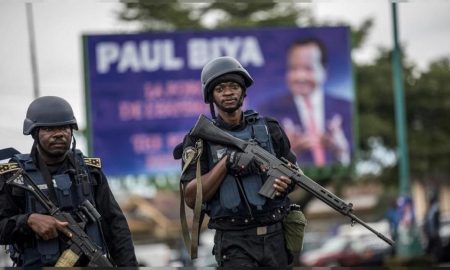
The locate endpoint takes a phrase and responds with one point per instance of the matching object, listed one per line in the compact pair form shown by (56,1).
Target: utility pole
(31,36)
(407,244)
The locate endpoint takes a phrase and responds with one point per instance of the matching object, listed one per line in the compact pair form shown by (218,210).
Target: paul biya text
(148,56)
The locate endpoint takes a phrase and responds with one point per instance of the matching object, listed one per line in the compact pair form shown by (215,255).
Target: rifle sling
(192,243)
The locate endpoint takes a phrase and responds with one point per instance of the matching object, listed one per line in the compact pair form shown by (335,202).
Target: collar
(222,124)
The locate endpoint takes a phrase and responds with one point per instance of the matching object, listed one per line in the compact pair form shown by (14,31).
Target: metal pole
(400,118)
(34,68)
(408,244)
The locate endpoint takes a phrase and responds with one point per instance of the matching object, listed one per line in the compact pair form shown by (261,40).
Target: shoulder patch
(93,162)
(9,167)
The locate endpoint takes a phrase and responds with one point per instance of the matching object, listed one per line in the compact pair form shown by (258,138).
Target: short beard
(231,109)
(49,154)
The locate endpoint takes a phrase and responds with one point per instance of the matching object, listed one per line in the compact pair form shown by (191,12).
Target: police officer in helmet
(248,226)
(68,178)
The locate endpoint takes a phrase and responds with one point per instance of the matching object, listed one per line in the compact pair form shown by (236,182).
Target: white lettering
(129,58)
(106,54)
(138,56)
(168,53)
(251,53)
(215,47)
(197,49)
(149,56)
(231,46)
(246,50)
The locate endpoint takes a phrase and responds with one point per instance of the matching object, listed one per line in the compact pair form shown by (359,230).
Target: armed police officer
(68,179)
(248,226)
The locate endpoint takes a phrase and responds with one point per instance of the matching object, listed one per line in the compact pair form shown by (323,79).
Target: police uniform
(67,192)
(247,224)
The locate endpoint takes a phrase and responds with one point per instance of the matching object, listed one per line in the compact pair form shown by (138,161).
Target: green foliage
(255,13)
(428,112)
(427,102)
(161,15)
(171,15)
(375,101)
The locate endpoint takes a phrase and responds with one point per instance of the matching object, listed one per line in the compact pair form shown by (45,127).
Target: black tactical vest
(238,197)
(70,193)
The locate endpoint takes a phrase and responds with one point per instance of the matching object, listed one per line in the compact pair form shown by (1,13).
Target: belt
(261,230)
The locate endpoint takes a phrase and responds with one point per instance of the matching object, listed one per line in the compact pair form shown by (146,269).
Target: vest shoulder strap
(25,162)
(251,116)
(22,157)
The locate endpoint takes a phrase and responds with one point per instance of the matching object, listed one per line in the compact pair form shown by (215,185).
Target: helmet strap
(212,110)
(74,155)
(35,133)
(74,143)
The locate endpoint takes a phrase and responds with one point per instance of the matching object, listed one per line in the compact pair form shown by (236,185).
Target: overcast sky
(423,26)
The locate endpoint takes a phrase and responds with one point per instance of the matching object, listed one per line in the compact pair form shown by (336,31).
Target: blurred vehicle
(344,250)
(351,246)
(312,241)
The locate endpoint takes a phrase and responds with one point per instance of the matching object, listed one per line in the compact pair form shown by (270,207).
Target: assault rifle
(275,168)
(78,241)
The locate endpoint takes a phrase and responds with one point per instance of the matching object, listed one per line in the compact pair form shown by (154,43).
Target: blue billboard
(143,91)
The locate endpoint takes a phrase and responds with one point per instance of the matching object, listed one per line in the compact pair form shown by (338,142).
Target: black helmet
(48,111)
(218,67)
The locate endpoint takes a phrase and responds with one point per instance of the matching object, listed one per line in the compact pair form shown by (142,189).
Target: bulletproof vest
(70,193)
(238,196)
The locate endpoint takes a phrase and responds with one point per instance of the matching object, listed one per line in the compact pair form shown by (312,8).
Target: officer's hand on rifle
(46,226)
(241,163)
(281,185)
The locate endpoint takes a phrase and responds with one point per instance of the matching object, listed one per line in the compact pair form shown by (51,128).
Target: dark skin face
(54,142)
(228,98)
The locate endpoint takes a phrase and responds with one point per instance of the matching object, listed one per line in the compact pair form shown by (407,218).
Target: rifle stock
(78,241)
(206,130)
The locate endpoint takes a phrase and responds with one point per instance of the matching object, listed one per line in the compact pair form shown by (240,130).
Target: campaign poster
(143,91)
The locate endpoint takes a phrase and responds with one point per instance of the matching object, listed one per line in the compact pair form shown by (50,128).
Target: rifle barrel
(206,130)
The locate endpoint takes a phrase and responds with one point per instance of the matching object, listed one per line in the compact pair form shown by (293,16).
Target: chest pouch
(229,193)
(63,183)
(261,135)
(252,184)
(49,250)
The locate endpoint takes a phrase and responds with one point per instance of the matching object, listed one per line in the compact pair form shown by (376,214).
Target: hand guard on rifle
(241,163)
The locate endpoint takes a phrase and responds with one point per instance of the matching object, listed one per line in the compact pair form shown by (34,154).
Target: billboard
(143,90)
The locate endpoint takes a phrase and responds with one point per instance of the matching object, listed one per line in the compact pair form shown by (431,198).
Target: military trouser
(256,247)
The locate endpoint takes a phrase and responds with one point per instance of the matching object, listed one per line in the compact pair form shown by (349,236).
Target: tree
(428,129)
(179,15)
(426,96)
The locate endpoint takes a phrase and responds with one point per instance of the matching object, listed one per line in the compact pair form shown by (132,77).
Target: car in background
(351,246)
(344,250)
